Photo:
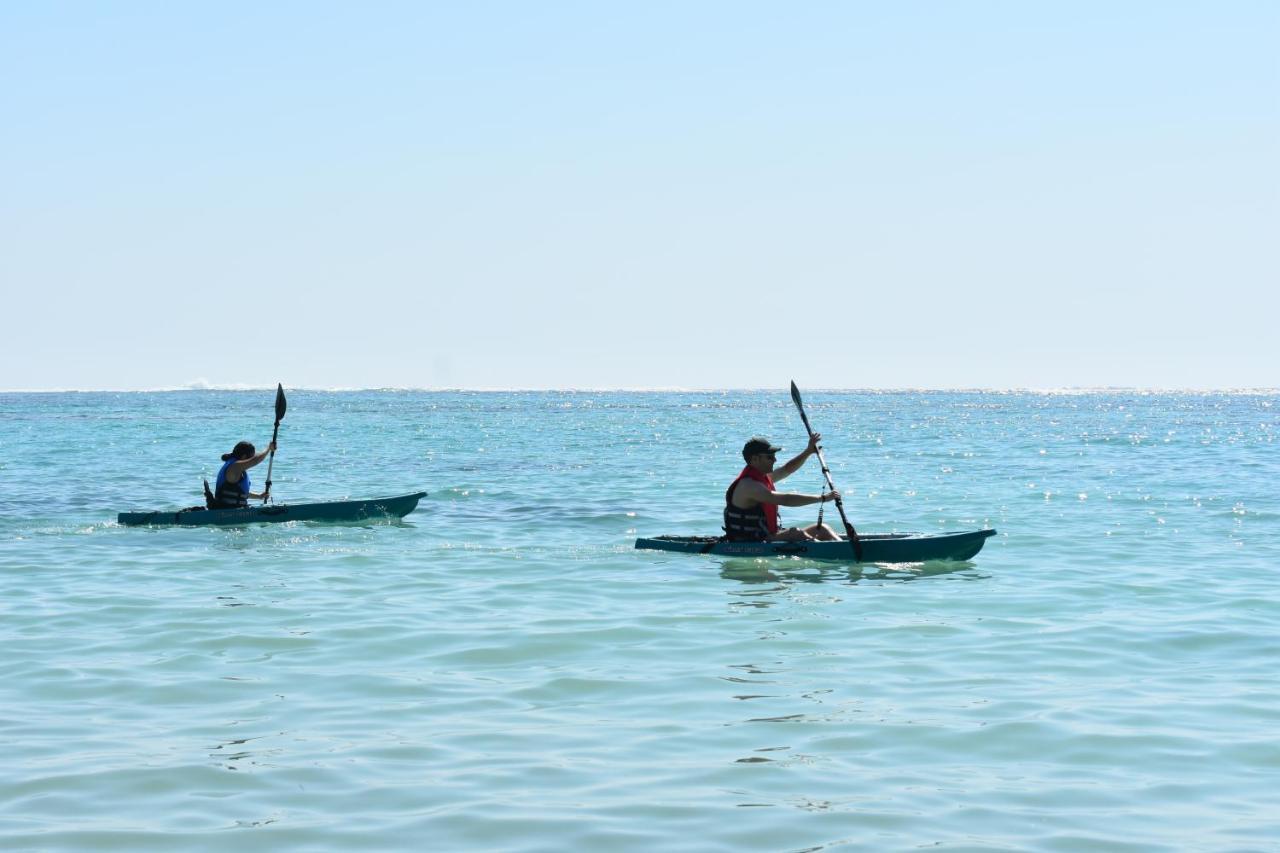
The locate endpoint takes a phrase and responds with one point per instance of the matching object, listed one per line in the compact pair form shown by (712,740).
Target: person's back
(232,487)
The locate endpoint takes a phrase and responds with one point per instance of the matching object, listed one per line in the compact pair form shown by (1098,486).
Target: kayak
(876,548)
(375,508)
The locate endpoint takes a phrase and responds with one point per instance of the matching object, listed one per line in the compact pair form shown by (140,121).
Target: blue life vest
(230,495)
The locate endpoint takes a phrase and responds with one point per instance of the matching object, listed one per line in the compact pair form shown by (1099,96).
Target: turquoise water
(502,671)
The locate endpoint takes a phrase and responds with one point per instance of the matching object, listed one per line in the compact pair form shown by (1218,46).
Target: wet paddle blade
(281,403)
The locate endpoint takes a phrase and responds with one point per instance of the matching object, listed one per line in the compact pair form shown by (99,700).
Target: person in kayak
(751,504)
(231,489)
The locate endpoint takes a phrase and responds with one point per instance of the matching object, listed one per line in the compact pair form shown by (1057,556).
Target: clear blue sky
(729,194)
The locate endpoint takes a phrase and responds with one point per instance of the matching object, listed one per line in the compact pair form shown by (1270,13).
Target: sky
(961,194)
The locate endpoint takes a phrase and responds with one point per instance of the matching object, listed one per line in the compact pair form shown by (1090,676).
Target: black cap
(758,445)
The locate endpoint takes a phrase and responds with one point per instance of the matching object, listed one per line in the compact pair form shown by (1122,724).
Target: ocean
(503,671)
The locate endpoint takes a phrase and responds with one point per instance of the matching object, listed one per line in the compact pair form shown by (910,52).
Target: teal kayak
(366,510)
(876,548)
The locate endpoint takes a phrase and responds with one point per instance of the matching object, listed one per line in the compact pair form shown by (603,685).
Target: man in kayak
(231,489)
(751,504)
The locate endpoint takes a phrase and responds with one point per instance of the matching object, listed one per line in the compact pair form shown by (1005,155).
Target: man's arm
(758,493)
(794,465)
(797,499)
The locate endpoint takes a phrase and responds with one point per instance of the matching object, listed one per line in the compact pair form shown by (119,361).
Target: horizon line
(661,389)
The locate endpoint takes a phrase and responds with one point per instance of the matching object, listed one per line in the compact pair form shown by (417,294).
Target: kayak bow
(876,548)
(372,509)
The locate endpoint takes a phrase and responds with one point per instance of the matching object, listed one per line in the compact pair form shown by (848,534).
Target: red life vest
(770,510)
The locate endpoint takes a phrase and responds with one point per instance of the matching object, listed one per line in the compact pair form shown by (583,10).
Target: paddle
(853,534)
(280,407)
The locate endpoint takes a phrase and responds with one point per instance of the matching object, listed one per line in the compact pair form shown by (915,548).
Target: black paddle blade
(281,403)
(795,398)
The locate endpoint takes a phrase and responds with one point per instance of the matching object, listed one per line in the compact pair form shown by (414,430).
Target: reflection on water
(759,571)
(238,755)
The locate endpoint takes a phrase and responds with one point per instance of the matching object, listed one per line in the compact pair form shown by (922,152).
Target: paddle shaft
(271,460)
(848,528)
(826,472)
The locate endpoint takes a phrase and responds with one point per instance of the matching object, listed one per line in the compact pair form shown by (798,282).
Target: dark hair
(242,450)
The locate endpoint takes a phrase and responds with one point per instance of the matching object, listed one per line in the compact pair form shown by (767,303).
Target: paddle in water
(826,472)
(280,407)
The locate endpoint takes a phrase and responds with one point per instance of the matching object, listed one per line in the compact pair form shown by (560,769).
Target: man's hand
(814,438)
